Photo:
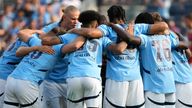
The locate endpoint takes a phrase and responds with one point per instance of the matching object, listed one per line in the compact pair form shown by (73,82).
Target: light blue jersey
(8,60)
(182,70)
(51,26)
(58,73)
(34,66)
(157,63)
(126,66)
(87,61)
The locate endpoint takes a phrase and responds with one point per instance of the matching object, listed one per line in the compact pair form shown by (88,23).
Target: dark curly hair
(144,17)
(88,16)
(116,13)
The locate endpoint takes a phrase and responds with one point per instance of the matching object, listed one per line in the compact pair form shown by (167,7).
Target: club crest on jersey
(92,45)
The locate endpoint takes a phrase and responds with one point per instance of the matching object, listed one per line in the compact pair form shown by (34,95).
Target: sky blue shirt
(8,60)
(157,63)
(59,72)
(87,61)
(126,66)
(182,70)
(34,66)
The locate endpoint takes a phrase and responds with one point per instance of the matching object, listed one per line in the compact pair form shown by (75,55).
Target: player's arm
(159,27)
(117,48)
(87,32)
(188,53)
(183,44)
(50,40)
(23,51)
(73,46)
(25,34)
(126,36)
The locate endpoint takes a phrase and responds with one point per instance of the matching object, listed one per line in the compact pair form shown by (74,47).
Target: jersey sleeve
(141,29)
(58,49)
(67,38)
(23,44)
(144,41)
(174,40)
(49,27)
(104,29)
(106,42)
(34,41)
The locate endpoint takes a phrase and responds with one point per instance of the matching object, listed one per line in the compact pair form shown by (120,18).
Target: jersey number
(36,55)
(166,50)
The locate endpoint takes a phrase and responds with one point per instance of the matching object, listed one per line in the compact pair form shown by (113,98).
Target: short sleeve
(106,42)
(141,29)
(174,40)
(49,27)
(58,49)
(104,29)
(67,38)
(34,41)
(144,41)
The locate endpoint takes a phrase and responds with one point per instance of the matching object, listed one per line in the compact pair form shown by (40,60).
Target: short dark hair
(88,16)
(102,19)
(156,17)
(116,13)
(144,17)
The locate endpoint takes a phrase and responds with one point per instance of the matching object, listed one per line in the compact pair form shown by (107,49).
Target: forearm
(25,34)
(73,46)
(88,32)
(125,35)
(23,51)
(182,45)
(50,40)
(160,27)
(118,48)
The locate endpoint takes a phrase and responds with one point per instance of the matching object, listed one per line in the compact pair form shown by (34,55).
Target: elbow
(76,46)
(164,26)
(17,54)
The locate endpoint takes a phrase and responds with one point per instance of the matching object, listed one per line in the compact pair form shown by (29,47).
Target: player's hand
(46,49)
(40,32)
(130,29)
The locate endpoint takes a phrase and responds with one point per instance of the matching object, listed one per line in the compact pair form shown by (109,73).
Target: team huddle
(59,66)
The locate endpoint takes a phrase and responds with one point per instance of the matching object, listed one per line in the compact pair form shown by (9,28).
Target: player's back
(34,66)
(9,60)
(157,63)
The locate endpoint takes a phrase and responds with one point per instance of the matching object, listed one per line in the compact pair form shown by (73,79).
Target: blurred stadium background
(33,14)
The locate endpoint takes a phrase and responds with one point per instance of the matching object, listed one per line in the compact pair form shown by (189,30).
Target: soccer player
(181,70)
(9,60)
(157,74)
(22,89)
(54,86)
(182,75)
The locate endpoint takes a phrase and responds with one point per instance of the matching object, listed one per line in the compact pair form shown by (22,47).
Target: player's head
(70,17)
(156,17)
(116,14)
(89,18)
(144,17)
(102,20)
